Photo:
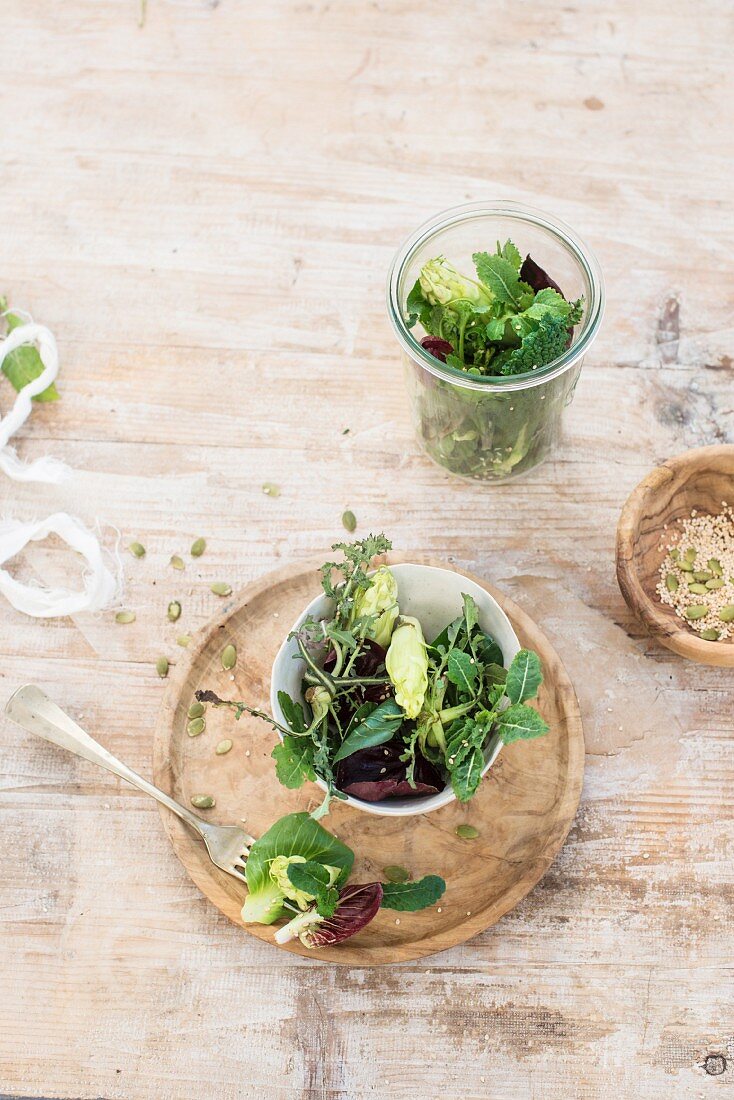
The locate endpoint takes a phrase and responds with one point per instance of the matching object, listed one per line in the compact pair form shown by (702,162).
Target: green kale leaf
(408,897)
(25,364)
(294,761)
(524,676)
(520,723)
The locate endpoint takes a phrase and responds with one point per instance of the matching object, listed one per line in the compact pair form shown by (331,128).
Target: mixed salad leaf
(24,364)
(505,324)
(509,320)
(386,714)
(299,870)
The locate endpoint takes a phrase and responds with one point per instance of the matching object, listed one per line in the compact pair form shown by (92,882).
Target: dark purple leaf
(534,275)
(356,907)
(389,788)
(378,773)
(437,347)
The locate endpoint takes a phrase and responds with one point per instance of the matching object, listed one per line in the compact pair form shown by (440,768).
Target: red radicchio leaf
(437,347)
(534,275)
(378,773)
(378,791)
(356,907)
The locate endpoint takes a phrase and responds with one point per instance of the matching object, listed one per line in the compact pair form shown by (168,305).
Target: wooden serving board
(523,809)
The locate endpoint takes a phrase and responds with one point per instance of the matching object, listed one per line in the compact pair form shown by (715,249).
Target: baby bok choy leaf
(293,835)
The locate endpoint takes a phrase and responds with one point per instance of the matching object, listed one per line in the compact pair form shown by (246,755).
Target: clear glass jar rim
(581,251)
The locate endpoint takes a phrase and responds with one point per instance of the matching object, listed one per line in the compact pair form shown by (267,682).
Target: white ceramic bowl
(433,596)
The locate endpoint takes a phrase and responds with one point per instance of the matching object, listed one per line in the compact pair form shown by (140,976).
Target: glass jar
(479,427)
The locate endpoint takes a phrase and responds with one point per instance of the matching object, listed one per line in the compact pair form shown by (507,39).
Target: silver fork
(228,845)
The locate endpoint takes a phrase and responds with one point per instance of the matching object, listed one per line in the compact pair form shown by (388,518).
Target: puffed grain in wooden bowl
(701,479)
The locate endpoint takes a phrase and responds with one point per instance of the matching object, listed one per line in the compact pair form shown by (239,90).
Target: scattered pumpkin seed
(698,611)
(161,667)
(221,588)
(467,832)
(125,617)
(697,589)
(715,582)
(686,566)
(183,640)
(271,489)
(671,582)
(727,613)
(393,873)
(349,521)
(202,801)
(709,635)
(715,566)
(229,657)
(196,726)
(702,575)
(690,554)
(174,610)
(177,562)
(674,555)
(196,710)
(137,549)
(198,546)
(223,747)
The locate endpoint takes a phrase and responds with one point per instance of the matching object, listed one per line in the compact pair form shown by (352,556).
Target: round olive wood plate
(522,811)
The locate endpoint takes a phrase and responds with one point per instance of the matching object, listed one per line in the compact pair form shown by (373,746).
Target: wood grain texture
(523,809)
(204,210)
(700,480)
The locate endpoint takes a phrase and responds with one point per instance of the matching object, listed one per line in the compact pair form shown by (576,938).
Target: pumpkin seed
(467,832)
(221,588)
(174,610)
(137,549)
(196,710)
(698,611)
(702,575)
(198,546)
(125,617)
(690,554)
(229,657)
(710,635)
(183,640)
(349,521)
(727,613)
(716,582)
(715,566)
(271,489)
(177,562)
(686,566)
(202,801)
(674,555)
(223,747)
(196,726)
(393,873)
(698,589)
(671,582)
(161,667)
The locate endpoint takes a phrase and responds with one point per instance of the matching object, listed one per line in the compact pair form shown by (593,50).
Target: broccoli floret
(539,347)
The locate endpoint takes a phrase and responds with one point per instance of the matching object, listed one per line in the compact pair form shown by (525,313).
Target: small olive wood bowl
(699,479)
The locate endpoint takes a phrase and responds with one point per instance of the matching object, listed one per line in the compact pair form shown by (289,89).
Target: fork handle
(32,709)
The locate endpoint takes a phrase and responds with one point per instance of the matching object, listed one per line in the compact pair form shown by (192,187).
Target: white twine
(100,585)
(46,469)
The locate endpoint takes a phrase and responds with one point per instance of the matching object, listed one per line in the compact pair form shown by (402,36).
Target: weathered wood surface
(203,211)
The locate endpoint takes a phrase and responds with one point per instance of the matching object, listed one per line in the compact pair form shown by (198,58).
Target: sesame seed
(397,920)
(710,539)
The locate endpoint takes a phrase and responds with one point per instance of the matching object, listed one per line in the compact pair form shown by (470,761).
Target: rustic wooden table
(203,210)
